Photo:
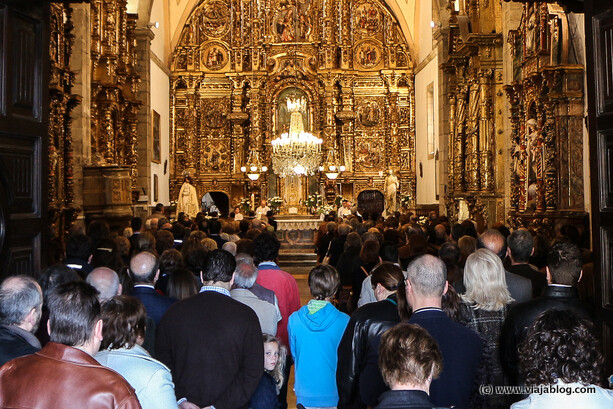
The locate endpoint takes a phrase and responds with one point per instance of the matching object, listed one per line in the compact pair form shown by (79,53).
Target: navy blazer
(155,303)
(462,350)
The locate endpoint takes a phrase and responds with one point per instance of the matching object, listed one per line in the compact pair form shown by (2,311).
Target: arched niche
(220,199)
(371,201)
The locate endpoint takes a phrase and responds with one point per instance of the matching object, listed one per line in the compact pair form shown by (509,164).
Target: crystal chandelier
(296,152)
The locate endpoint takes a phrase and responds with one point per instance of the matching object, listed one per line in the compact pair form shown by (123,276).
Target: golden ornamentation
(546,100)
(262,49)
(60,183)
(114,86)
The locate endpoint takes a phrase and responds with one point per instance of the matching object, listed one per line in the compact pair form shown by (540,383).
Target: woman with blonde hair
(483,309)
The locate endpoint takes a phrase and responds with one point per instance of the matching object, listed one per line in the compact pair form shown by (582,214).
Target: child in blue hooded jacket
(315,332)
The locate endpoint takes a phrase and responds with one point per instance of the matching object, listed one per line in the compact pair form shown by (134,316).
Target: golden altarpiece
(547,109)
(112,84)
(236,62)
(473,70)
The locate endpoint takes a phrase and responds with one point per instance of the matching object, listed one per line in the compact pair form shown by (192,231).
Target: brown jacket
(59,376)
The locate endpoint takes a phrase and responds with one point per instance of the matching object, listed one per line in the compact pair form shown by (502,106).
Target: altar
(297,230)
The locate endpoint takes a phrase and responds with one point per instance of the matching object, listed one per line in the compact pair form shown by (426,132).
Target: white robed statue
(391,188)
(188,199)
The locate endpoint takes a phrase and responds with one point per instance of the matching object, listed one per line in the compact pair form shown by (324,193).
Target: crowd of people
(199,314)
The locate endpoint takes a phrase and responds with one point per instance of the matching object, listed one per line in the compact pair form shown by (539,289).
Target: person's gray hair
(106,281)
(18,295)
(427,275)
(245,272)
(230,247)
(344,229)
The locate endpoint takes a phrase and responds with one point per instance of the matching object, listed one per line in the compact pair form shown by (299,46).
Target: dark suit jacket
(519,287)
(539,280)
(521,316)
(13,345)
(213,347)
(155,303)
(462,350)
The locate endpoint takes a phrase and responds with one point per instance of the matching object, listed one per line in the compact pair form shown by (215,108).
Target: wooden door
(599,52)
(24,50)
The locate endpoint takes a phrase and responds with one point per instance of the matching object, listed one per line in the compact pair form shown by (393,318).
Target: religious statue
(391,188)
(188,199)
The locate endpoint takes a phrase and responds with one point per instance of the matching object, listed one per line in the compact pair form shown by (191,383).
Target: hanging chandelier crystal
(296,152)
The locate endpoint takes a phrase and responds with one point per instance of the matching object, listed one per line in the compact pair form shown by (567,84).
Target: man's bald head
(144,267)
(494,241)
(21,302)
(106,281)
(440,231)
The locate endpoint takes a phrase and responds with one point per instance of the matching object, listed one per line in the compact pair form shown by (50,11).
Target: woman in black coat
(358,374)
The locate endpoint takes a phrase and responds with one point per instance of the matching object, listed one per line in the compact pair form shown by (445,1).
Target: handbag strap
(364,270)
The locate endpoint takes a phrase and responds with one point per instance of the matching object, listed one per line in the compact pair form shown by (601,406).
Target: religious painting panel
(367,19)
(368,154)
(214,56)
(293,20)
(215,19)
(368,55)
(369,112)
(155,138)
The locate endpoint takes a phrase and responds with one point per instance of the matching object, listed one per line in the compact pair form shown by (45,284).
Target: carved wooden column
(347,114)
(329,126)
(451,141)
(486,132)
(61,198)
(237,117)
(549,201)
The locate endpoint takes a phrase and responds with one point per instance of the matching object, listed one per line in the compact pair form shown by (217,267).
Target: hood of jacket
(321,320)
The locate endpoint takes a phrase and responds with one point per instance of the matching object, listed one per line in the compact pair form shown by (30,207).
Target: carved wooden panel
(605,153)
(606,262)
(24,52)
(603,47)
(26,39)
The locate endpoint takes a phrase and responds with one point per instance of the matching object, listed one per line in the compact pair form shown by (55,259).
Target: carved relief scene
(239,66)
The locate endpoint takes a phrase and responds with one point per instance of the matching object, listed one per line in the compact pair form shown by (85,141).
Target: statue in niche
(188,199)
(391,189)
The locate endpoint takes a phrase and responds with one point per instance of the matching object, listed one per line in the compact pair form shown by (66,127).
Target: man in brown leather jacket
(64,374)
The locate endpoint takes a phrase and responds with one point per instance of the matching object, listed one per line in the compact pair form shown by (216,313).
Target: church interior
(489,110)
